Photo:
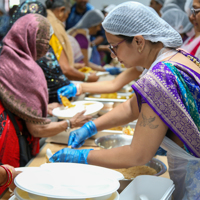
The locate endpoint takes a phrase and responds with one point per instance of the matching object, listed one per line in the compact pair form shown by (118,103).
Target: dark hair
(127,38)
(52,4)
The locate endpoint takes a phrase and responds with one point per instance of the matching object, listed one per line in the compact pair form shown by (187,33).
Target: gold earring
(139,50)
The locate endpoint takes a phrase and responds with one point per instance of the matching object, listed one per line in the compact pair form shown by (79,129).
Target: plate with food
(68,110)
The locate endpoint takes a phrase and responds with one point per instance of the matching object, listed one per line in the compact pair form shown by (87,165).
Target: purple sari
(161,90)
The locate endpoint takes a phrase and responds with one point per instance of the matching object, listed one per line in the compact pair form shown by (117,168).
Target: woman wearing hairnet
(166,103)
(179,21)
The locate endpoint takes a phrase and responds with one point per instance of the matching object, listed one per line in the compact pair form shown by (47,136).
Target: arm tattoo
(148,122)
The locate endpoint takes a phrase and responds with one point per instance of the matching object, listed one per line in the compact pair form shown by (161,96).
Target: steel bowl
(112,141)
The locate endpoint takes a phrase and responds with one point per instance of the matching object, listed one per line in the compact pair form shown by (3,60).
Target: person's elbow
(34,129)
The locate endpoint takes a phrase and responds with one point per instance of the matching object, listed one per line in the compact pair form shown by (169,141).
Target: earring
(139,50)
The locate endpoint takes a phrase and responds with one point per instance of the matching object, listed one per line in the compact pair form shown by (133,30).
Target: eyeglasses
(114,47)
(195,11)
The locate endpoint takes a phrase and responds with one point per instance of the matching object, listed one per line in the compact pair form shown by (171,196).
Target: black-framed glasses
(195,11)
(111,47)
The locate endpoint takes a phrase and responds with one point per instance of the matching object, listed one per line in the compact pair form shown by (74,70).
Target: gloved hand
(78,137)
(113,70)
(67,91)
(71,155)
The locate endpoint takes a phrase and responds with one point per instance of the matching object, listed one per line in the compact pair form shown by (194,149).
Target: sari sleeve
(57,47)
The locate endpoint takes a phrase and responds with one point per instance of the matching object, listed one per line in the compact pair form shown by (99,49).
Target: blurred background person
(180,3)
(157,5)
(192,44)
(4,21)
(179,21)
(90,24)
(57,13)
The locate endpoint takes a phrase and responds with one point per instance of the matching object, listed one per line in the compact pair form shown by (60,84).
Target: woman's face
(196,19)
(63,14)
(126,53)
(93,30)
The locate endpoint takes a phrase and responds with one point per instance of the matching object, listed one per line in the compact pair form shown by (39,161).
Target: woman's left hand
(51,106)
(79,119)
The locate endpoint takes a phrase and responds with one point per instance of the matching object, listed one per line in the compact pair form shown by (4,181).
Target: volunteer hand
(67,91)
(113,70)
(71,155)
(78,137)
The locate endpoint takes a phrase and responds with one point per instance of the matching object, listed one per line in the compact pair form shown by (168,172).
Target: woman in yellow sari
(57,13)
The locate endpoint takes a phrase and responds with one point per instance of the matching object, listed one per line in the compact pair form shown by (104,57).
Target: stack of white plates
(68,181)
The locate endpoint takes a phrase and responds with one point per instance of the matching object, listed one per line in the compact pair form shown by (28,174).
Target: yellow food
(128,130)
(133,172)
(66,102)
(130,96)
(118,128)
(109,96)
(85,69)
(122,66)
(87,104)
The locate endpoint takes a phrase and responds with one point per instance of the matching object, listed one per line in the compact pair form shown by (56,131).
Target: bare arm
(149,133)
(128,112)
(113,85)
(73,73)
(54,128)
(68,71)
(96,67)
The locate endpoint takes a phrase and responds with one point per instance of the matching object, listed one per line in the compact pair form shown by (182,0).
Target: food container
(107,106)
(113,141)
(113,132)
(151,187)
(154,163)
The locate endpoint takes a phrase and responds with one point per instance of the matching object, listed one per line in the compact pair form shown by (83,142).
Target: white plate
(67,113)
(13,198)
(23,169)
(66,184)
(101,171)
(22,195)
(102,73)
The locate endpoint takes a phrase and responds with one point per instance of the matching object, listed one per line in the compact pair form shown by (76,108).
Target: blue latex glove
(78,137)
(67,91)
(71,155)
(113,70)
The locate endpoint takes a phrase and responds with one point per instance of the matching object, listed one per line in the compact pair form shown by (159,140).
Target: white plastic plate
(66,184)
(67,113)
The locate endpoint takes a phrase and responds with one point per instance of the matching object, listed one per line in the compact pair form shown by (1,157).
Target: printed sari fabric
(23,87)
(172,91)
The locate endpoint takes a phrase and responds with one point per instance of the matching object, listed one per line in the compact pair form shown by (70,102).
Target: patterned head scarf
(29,6)
(23,86)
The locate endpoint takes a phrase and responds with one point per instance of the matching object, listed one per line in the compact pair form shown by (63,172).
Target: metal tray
(113,132)
(96,97)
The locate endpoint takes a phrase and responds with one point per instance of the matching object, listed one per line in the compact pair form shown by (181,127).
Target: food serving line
(60,141)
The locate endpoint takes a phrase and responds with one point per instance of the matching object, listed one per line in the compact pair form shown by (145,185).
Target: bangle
(10,177)
(86,77)
(79,89)
(68,125)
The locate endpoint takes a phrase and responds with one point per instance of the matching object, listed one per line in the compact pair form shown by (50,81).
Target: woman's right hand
(79,119)
(93,77)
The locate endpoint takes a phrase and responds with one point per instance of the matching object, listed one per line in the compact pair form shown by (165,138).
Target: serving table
(41,159)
